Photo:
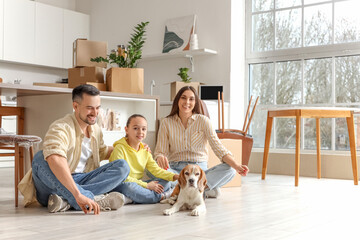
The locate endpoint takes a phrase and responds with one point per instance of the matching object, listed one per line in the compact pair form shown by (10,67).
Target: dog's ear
(182,179)
(202,181)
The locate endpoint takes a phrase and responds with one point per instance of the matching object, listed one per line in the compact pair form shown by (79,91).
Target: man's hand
(87,205)
(155,186)
(163,162)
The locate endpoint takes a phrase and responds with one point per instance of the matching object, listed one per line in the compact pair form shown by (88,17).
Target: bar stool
(16,142)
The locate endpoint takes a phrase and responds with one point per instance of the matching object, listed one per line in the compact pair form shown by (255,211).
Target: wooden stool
(16,142)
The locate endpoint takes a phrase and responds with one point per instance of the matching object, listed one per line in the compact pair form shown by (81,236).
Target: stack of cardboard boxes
(85,71)
(123,80)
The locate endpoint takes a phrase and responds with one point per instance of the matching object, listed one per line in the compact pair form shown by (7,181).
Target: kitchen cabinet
(19,31)
(39,34)
(48,35)
(76,25)
(1,28)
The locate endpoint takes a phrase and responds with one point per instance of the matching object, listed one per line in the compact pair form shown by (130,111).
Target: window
(304,52)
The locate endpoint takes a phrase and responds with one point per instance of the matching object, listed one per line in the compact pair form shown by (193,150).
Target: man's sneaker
(57,204)
(213,193)
(111,201)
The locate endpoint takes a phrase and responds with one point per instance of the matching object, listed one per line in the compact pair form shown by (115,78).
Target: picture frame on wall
(178,33)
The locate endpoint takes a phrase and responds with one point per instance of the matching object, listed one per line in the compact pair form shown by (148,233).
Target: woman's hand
(147,148)
(163,162)
(242,170)
(155,186)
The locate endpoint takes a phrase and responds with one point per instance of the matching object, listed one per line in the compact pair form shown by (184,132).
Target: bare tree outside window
(319,79)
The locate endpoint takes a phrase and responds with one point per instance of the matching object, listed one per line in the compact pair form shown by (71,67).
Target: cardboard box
(84,50)
(83,75)
(100,86)
(125,80)
(235,147)
(176,86)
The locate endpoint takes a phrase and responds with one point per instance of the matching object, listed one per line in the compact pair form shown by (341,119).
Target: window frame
(302,54)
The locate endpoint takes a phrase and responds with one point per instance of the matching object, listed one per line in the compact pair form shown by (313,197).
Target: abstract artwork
(177,34)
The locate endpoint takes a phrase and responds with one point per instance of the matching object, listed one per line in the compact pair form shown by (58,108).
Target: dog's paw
(195,212)
(168,212)
(171,200)
(164,201)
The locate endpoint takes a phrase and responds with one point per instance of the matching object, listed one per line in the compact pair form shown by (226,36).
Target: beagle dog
(188,193)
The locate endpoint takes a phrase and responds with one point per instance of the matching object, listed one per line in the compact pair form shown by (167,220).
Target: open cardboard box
(176,86)
(235,147)
(125,80)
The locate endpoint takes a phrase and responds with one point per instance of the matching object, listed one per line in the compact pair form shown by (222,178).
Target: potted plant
(185,81)
(183,73)
(126,77)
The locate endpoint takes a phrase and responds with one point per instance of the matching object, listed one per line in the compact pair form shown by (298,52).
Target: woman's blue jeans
(216,176)
(99,181)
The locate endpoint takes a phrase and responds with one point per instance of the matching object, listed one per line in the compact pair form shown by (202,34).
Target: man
(67,172)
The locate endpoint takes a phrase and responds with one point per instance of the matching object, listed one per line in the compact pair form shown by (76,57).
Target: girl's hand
(176,177)
(163,162)
(242,170)
(155,186)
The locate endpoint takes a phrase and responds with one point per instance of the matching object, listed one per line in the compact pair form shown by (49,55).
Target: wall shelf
(184,54)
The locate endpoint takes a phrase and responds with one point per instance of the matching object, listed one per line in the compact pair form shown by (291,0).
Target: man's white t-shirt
(86,153)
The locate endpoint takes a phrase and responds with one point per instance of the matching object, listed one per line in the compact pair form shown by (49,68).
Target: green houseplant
(126,77)
(185,81)
(183,73)
(132,54)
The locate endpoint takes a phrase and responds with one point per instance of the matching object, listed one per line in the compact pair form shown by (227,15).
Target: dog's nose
(191,181)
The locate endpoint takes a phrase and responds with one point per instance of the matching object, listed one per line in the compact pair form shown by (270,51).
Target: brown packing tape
(82,72)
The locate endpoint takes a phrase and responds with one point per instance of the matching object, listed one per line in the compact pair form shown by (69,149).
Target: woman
(182,140)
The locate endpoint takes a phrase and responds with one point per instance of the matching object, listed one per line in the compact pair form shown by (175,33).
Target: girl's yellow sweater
(138,161)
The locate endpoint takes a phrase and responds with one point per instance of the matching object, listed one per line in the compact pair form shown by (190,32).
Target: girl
(132,150)
(182,140)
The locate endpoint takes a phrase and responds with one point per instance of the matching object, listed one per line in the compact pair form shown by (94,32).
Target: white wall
(213,29)
(113,20)
(238,83)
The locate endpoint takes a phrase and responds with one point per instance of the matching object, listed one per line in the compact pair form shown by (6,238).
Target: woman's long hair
(175,106)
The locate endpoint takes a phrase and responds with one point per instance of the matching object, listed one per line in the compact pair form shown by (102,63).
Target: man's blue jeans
(216,176)
(140,194)
(102,180)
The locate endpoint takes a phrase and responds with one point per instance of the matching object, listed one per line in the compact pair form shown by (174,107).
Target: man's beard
(85,120)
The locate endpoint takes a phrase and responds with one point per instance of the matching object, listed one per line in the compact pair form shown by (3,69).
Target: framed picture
(178,33)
